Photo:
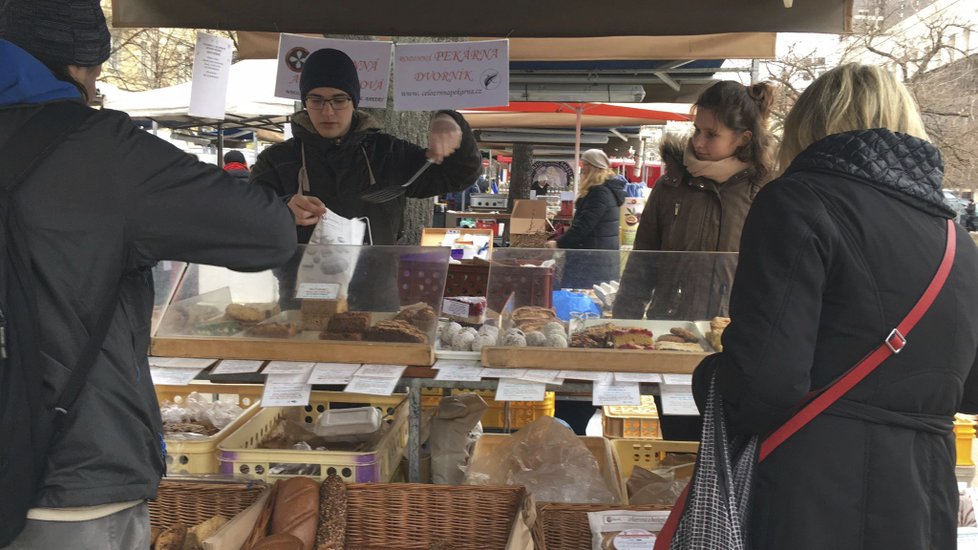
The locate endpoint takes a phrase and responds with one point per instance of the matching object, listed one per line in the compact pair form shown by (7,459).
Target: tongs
(389,193)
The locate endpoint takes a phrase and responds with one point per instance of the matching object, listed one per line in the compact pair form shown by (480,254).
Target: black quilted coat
(834,254)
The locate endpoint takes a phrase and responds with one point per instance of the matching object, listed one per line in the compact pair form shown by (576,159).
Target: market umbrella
(539,114)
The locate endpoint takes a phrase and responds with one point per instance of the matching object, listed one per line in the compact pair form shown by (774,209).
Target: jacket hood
(904,167)
(616,185)
(362,124)
(26,81)
(671,150)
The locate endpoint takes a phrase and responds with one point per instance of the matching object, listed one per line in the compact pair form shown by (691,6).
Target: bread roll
(332,515)
(297,510)
(203,531)
(281,541)
(172,538)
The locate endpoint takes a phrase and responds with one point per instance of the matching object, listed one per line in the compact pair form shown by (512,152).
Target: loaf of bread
(396,331)
(296,510)
(332,515)
(172,538)
(351,321)
(281,541)
(421,315)
(203,531)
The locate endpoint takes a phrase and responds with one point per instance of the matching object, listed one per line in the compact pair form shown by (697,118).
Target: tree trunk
(519,179)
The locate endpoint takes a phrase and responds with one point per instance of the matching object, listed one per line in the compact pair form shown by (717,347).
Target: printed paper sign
(381,371)
(677,379)
(448,363)
(503,373)
(454,307)
(333,373)
(586,375)
(678,400)
(212,69)
(649,377)
(317,291)
(372,60)
(235,366)
(540,375)
(616,394)
(173,376)
(460,374)
(281,391)
(519,390)
(372,386)
(288,367)
(451,75)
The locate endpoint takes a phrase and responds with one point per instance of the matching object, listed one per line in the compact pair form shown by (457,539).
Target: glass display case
(325,293)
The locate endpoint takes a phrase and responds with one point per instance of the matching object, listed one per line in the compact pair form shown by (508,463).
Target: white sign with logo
(372,59)
(212,69)
(451,75)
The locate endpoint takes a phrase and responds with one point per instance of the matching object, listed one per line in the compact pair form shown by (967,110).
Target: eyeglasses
(338,103)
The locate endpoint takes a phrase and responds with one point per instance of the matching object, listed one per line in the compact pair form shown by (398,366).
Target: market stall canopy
(545,114)
(750,45)
(512,18)
(251,102)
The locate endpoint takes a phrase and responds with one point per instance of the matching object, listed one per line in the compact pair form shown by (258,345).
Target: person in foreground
(834,253)
(94,215)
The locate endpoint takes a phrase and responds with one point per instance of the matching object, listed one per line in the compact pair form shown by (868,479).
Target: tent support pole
(577,149)
(220,144)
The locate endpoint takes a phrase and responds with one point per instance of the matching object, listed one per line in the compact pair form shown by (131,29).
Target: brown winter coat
(686,213)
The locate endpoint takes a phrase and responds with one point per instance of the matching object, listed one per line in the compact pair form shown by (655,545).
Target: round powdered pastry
(448,332)
(536,339)
(516,339)
(554,327)
(482,341)
(462,341)
(557,340)
(489,330)
(333,265)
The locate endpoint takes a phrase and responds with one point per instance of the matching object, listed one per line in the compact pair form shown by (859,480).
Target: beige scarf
(716,170)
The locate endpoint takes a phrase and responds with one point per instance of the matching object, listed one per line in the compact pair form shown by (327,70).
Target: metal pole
(577,148)
(220,144)
(414,432)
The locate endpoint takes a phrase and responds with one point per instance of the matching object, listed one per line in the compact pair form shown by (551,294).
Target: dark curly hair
(742,108)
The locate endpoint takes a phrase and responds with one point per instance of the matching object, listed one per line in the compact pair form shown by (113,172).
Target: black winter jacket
(596,217)
(113,199)
(834,254)
(340,169)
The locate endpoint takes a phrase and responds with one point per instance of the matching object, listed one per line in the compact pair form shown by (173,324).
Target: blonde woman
(595,225)
(834,254)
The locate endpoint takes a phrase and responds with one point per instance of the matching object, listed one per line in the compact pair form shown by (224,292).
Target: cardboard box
(528,217)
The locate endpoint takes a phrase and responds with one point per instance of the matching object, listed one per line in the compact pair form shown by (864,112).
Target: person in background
(338,152)
(970,220)
(235,164)
(97,212)
(699,204)
(541,187)
(834,254)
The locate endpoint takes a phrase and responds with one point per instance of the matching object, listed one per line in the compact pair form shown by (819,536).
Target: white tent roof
(251,88)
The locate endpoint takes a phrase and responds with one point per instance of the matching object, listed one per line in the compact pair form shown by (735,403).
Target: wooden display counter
(585,359)
(268,349)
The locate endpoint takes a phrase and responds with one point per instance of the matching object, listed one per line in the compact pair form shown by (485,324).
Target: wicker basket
(412,516)
(193,502)
(565,526)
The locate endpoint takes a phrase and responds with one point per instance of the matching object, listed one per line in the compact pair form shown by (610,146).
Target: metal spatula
(389,193)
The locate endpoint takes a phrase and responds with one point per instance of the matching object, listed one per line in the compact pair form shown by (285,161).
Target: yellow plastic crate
(199,456)
(648,453)
(501,415)
(240,456)
(632,422)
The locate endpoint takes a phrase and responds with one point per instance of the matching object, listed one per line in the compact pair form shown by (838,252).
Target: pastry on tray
(342,336)
(465,309)
(677,346)
(286,329)
(421,315)
(396,331)
(717,325)
(351,321)
(251,313)
(686,334)
(634,338)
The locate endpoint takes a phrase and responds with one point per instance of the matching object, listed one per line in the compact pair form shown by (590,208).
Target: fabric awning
(512,18)
(545,114)
(750,45)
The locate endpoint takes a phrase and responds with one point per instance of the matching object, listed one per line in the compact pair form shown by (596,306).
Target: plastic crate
(467,279)
(240,456)
(501,415)
(632,422)
(601,448)
(648,453)
(421,278)
(532,285)
(199,456)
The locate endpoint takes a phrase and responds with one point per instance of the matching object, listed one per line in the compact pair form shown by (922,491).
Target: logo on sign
(296,58)
(490,79)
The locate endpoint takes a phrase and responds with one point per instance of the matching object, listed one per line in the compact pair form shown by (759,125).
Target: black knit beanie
(329,68)
(57,32)
(234,156)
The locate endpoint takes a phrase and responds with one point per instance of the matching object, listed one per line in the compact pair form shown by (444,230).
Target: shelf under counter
(271,349)
(588,359)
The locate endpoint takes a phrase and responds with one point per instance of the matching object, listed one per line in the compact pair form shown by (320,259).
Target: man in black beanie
(97,203)
(337,152)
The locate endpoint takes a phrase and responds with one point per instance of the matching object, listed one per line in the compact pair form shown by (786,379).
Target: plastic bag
(547,458)
(198,415)
(567,301)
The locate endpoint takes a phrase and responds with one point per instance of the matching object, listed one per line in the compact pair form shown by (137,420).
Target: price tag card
(586,375)
(282,391)
(520,390)
(677,379)
(540,375)
(616,394)
(381,371)
(441,363)
(288,367)
(173,376)
(333,373)
(317,291)
(372,385)
(236,366)
(503,373)
(459,374)
(638,377)
(678,400)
